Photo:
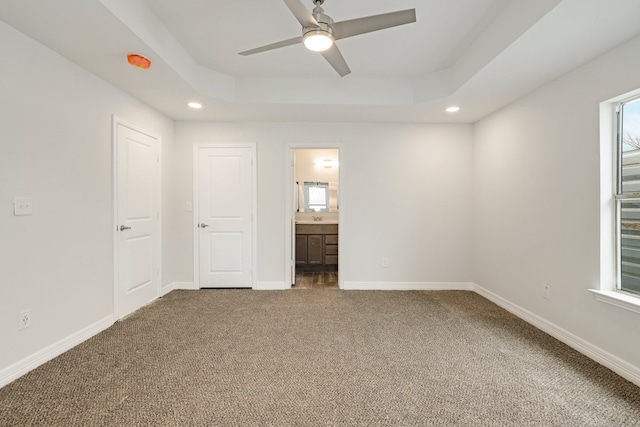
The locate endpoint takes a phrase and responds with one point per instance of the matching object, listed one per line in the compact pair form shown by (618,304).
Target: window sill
(618,299)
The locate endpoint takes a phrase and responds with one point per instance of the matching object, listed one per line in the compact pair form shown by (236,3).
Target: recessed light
(452,109)
(195,105)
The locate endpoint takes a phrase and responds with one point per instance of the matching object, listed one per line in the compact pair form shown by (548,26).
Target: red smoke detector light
(139,61)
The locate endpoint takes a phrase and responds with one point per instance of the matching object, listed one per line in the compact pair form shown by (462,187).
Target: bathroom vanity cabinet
(317,245)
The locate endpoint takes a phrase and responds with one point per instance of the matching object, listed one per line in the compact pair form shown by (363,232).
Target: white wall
(55,146)
(537,203)
(406,195)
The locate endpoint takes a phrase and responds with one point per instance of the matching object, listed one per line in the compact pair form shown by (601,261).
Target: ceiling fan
(319,32)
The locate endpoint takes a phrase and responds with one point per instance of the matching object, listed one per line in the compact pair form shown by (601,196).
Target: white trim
(289,217)
(619,366)
(254,207)
(289,265)
(194,221)
(166,289)
(115,121)
(177,286)
(189,286)
(271,286)
(114,205)
(31,362)
(610,198)
(608,207)
(408,286)
(618,299)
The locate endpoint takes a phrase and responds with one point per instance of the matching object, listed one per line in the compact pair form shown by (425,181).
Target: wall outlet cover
(22,206)
(24,319)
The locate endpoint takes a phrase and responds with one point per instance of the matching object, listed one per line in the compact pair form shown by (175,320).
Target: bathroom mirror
(317,197)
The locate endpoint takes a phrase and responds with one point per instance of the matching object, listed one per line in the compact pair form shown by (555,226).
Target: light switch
(189,207)
(22,206)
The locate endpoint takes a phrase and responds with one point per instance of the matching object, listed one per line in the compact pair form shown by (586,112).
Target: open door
(293,209)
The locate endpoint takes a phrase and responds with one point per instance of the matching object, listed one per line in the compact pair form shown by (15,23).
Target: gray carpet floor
(321,358)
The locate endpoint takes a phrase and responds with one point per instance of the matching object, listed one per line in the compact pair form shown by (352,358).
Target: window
(316,196)
(627,196)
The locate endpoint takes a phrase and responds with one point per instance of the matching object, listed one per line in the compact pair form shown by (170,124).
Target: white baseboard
(619,366)
(190,286)
(31,362)
(271,286)
(166,289)
(407,286)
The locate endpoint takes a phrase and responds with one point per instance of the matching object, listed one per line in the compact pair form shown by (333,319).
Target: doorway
(315,218)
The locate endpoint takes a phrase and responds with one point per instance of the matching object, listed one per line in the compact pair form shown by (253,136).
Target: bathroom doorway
(315,218)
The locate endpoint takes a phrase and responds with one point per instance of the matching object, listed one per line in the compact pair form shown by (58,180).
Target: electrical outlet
(545,291)
(24,319)
(384,262)
(22,206)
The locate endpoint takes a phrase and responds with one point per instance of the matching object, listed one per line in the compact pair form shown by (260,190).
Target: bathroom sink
(310,221)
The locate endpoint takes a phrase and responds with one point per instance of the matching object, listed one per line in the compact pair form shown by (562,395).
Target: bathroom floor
(316,280)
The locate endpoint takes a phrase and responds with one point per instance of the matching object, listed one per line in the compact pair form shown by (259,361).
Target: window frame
(606,290)
(619,196)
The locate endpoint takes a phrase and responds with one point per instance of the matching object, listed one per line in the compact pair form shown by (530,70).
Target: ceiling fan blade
(335,58)
(354,27)
(272,46)
(302,14)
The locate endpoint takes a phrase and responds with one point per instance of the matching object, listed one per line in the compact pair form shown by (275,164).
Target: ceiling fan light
(318,40)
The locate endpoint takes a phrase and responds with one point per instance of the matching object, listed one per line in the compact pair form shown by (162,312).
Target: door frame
(115,121)
(290,262)
(196,208)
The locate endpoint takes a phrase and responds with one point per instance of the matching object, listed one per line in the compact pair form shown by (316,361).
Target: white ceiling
(478,54)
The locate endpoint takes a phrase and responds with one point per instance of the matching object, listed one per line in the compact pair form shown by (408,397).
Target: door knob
(124,227)
(202,225)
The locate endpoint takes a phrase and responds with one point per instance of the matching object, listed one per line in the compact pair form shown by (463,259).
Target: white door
(225,224)
(138,216)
